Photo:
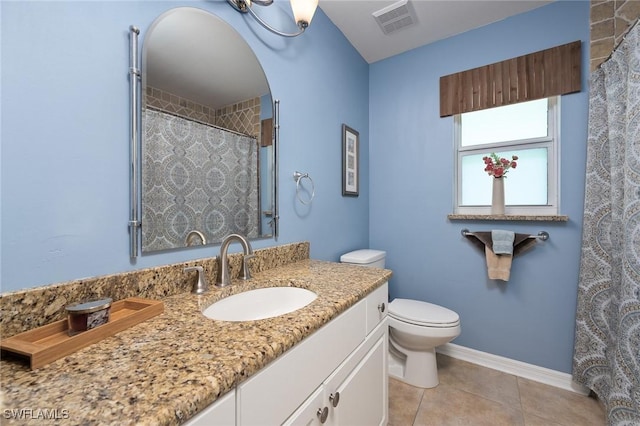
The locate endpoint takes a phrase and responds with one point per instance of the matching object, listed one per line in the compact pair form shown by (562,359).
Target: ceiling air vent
(395,16)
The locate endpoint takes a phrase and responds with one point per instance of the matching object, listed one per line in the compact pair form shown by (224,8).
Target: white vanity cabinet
(269,397)
(337,376)
(361,398)
(356,393)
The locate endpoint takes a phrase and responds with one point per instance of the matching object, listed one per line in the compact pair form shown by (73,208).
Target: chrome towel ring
(297,176)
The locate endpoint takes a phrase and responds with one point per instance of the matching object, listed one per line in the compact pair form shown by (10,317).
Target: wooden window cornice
(538,75)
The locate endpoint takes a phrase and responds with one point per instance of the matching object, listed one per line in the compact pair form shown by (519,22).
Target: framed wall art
(350,161)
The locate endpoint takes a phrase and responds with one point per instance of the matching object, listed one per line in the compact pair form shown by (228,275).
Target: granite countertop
(168,368)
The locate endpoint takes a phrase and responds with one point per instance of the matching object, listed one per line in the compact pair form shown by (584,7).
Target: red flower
(498,166)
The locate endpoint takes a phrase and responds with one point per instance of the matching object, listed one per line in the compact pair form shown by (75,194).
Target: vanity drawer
(377,306)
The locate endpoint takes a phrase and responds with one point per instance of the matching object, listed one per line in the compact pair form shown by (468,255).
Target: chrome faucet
(195,233)
(223,263)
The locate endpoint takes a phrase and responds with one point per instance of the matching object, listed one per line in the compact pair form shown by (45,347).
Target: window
(528,130)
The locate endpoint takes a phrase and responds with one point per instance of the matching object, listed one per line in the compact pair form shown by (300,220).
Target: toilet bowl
(415,329)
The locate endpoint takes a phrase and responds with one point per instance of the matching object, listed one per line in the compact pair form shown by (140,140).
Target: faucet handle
(245,273)
(201,285)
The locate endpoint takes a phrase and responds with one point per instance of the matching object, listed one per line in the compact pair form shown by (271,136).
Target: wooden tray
(48,343)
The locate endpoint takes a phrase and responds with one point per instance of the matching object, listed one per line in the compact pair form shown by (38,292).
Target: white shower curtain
(607,347)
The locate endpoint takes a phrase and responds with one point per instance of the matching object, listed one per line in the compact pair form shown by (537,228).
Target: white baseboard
(511,366)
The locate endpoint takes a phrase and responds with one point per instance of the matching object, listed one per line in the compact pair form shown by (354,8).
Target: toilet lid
(423,313)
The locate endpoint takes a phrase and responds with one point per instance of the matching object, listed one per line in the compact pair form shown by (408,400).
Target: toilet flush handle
(381,307)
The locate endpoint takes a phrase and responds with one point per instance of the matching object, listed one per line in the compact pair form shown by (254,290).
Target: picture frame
(350,161)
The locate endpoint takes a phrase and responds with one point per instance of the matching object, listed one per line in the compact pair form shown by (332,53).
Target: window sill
(510,217)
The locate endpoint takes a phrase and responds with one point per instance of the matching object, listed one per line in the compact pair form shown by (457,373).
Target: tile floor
(472,395)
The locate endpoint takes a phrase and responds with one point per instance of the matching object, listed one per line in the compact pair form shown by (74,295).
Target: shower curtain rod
(195,120)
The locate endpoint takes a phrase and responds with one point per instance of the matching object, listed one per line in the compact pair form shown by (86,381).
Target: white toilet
(415,329)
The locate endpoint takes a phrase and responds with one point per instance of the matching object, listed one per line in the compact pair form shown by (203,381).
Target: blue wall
(530,318)
(65,135)
(65,158)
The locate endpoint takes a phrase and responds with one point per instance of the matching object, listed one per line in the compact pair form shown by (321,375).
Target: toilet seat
(423,314)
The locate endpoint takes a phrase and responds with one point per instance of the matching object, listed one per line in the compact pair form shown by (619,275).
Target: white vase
(497,196)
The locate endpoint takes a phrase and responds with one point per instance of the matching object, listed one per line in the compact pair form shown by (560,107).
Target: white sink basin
(260,303)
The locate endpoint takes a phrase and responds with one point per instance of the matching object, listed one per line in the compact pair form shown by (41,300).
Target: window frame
(551,142)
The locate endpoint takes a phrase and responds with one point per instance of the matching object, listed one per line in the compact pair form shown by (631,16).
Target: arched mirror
(208,145)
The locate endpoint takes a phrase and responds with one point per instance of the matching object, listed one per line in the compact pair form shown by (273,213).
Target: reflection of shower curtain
(196,177)
(607,347)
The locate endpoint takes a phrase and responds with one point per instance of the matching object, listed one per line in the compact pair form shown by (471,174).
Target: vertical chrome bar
(276,149)
(134,79)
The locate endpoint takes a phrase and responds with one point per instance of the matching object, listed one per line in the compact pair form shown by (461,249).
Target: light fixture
(303,11)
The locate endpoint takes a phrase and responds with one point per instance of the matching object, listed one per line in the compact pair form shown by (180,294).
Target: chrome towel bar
(542,235)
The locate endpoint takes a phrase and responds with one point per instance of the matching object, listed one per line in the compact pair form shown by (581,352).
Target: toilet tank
(365,257)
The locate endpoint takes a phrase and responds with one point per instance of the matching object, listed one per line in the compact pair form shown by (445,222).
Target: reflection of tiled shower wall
(173,104)
(242,117)
(610,20)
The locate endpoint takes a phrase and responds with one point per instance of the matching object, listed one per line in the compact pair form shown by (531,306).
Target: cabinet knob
(323,413)
(335,399)
(381,307)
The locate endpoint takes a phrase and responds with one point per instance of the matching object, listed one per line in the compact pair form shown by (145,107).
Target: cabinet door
(363,396)
(313,412)
(220,413)
(362,385)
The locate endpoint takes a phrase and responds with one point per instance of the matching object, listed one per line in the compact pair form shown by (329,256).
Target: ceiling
(436,20)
